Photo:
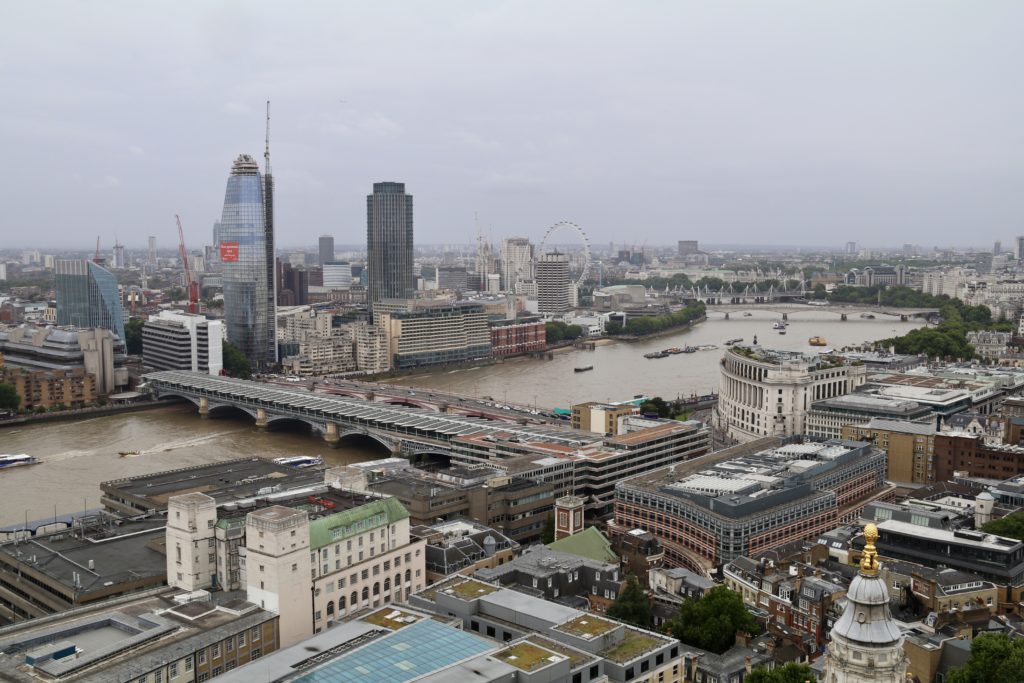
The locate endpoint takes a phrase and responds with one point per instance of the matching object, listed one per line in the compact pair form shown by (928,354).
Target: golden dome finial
(869,560)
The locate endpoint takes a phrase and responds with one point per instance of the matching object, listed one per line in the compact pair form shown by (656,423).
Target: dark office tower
(326,249)
(389,243)
(87,296)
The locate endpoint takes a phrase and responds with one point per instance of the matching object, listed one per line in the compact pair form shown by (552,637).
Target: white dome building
(867,644)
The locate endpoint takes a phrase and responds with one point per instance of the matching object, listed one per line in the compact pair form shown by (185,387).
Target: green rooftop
(587,626)
(589,543)
(391,618)
(526,656)
(634,644)
(333,528)
(470,589)
(576,658)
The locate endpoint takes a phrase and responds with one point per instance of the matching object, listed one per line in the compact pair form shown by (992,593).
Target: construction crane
(191,286)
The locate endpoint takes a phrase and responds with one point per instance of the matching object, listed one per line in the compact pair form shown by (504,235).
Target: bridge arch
(226,410)
(366,440)
(194,400)
(407,402)
(285,422)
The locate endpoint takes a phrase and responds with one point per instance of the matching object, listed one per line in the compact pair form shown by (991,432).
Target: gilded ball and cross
(869,560)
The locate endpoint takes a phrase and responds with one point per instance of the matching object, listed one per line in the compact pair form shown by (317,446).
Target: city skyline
(797,129)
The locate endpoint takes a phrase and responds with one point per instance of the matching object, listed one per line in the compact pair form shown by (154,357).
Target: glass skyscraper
(389,243)
(246,250)
(87,296)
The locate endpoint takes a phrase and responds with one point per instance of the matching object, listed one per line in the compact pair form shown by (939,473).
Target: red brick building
(511,337)
(969,453)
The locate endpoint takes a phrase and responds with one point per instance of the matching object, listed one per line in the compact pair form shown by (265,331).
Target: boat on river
(817,341)
(730,342)
(585,368)
(17,460)
(656,354)
(300,461)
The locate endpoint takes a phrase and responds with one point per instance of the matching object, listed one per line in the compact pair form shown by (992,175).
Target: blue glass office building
(246,251)
(87,296)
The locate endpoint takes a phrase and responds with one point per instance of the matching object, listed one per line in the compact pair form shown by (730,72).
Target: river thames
(77,455)
(621,371)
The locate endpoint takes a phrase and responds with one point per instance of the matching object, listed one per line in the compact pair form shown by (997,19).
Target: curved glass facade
(244,254)
(87,296)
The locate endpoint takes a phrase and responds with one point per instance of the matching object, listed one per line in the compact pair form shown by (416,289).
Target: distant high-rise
(851,248)
(326,249)
(247,260)
(337,275)
(687,247)
(997,248)
(151,256)
(554,294)
(87,296)
(1020,248)
(117,257)
(389,243)
(516,261)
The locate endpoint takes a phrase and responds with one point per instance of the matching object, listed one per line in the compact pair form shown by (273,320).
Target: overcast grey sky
(763,121)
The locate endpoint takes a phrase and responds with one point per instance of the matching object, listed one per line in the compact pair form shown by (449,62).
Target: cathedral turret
(866,643)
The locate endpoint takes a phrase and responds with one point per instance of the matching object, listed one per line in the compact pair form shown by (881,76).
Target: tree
(9,398)
(133,336)
(790,673)
(995,658)
(711,623)
(1011,526)
(554,331)
(549,530)
(235,362)
(632,605)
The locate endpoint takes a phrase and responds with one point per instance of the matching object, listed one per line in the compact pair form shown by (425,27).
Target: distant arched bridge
(402,429)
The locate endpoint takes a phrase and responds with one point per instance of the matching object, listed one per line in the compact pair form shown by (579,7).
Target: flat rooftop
(116,643)
(976,539)
(587,626)
(872,403)
(319,500)
(653,433)
(750,478)
(223,481)
(107,555)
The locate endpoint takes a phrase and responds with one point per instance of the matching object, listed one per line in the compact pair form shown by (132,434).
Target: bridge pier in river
(842,316)
(261,419)
(331,435)
(204,407)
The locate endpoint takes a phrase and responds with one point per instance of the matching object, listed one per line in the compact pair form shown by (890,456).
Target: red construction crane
(190,284)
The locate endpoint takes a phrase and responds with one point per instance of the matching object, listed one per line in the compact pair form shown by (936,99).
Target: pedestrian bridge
(401,429)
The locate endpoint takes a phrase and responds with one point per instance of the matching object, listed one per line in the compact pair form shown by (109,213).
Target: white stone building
(175,340)
(763,392)
(314,555)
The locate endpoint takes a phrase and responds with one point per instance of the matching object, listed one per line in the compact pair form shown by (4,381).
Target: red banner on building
(229,252)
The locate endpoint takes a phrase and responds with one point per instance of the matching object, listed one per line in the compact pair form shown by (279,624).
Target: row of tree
(557,331)
(649,324)
(948,339)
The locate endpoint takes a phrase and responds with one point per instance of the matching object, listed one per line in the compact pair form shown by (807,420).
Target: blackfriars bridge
(401,428)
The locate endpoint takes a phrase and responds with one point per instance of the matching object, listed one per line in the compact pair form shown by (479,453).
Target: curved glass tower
(245,234)
(87,296)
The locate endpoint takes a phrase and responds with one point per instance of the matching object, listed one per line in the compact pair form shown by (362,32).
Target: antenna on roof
(266,148)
